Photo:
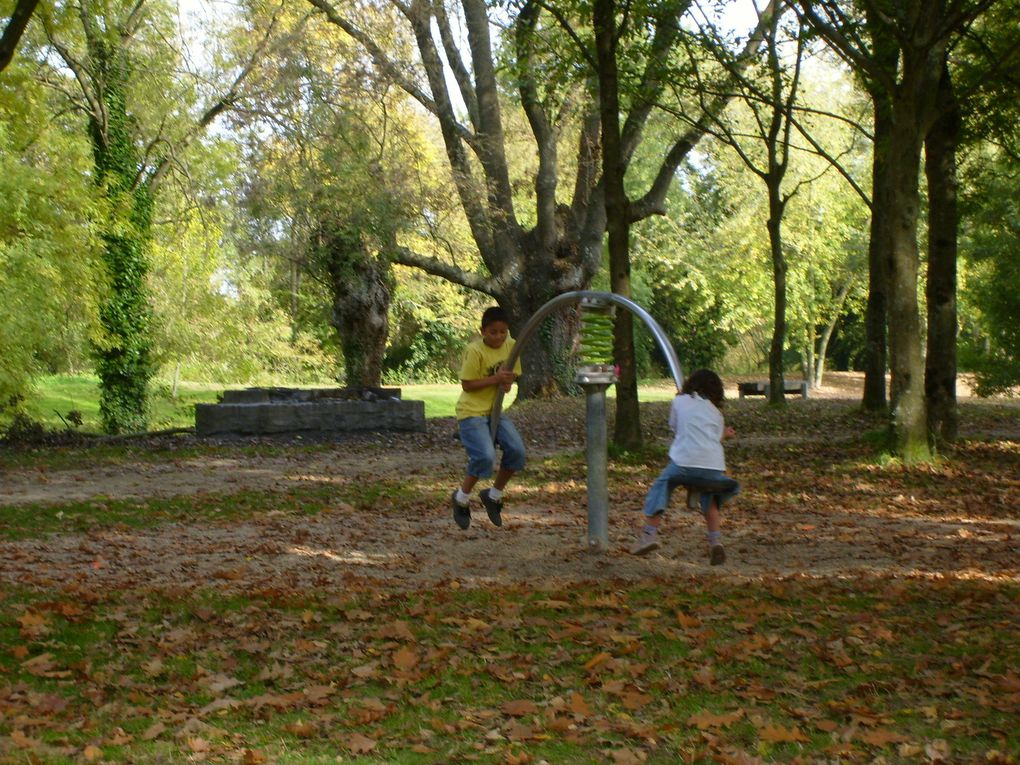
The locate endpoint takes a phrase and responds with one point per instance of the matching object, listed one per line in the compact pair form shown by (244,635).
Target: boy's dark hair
(706,384)
(494,314)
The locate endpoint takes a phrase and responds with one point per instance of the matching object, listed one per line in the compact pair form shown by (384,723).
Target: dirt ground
(541,543)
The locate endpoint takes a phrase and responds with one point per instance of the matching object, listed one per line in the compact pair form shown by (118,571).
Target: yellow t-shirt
(481,361)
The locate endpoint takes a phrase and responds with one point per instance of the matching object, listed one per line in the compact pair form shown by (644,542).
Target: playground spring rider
(595,374)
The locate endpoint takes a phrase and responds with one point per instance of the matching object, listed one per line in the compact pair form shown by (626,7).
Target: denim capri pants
(481,452)
(713,484)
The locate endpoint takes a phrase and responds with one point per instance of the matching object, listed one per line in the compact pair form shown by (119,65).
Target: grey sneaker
(645,544)
(461,513)
(717,555)
(493,507)
(693,499)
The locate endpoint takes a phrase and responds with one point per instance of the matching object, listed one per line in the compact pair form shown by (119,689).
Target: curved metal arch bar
(576,297)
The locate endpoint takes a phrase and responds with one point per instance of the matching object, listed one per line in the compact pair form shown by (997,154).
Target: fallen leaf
(578,705)
(24,742)
(405,659)
(358,744)
(881,737)
(519,708)
(705,720)
(626,757)
(153,731)
(33,625)
(119,738)
(634,700)
(687,622)
(777,734)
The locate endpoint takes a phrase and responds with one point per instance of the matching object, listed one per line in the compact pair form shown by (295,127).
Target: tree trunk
(940,361)
(362,285)
(909,418)
(777,391)
(627,428)
(123,354)
(876,312)
(830,327)
(807,357)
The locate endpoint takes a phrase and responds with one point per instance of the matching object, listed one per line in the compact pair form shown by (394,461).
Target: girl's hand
(728,432)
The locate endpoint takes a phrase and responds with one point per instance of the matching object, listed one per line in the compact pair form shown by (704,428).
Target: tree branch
(453,56)
(15,29)
(846,48)
(448,271)
(545,138)
(224,102)
(666,32)
(387,65)
(653,202)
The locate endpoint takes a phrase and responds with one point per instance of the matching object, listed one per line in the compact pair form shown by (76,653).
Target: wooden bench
(763,388)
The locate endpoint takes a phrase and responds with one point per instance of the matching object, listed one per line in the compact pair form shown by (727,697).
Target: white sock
(495,494)
(462,498)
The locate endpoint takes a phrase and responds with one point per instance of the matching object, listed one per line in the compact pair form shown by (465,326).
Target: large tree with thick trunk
(909,85)
(943,221)
(556,246)
(976,103)
(104,56)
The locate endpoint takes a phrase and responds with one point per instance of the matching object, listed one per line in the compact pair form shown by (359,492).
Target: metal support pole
(598,476)
(594,379)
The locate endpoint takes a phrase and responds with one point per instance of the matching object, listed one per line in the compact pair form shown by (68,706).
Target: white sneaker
(645,544)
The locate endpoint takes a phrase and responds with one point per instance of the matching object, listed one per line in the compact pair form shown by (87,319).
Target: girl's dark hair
(494,314)
(706,384)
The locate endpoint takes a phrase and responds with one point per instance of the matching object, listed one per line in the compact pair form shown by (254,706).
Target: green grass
(660,672)
(702,669)
(57,395)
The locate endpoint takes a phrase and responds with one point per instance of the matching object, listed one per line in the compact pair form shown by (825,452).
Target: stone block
(322,415)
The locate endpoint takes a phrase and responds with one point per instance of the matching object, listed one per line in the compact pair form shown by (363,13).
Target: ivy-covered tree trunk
(362,285)
(123,353)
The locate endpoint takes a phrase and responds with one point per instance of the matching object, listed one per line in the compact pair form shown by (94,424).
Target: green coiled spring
(596,336)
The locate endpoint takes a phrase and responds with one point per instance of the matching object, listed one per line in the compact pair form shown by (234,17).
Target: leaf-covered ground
(286,602)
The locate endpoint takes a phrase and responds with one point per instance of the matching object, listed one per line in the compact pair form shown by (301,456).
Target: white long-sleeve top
(698,430)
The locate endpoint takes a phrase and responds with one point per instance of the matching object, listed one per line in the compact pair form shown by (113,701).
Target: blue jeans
(481,452)
(713,485)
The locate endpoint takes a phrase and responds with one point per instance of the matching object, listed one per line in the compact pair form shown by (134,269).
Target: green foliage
(694,325)
(990,296)
(429,357)
(47,246)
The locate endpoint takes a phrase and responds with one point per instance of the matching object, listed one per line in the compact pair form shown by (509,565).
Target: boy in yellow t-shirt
(482,370)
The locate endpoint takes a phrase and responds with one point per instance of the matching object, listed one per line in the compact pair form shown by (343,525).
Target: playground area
(814,504)
(285,600)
